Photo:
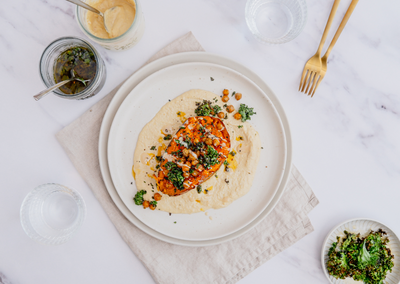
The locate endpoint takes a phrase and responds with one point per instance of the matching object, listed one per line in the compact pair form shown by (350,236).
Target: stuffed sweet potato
(194,154)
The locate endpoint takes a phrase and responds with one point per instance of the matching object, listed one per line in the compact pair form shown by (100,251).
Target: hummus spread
(221,189)
(118,19)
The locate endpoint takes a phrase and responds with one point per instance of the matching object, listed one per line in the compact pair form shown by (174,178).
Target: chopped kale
(139,197)
(175,175)
(210,158)
(206,108)
(246,112)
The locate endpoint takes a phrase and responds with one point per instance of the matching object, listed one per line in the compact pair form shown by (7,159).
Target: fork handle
(328,25)
(341,26)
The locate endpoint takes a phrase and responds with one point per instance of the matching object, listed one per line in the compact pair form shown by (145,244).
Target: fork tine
(317,75)
(306,82)
(312,80)
(319,81)
(302,77)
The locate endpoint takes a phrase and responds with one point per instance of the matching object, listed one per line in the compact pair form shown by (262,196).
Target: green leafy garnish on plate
(246,112)
(139,197)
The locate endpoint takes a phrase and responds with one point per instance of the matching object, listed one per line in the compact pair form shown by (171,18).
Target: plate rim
(114,126)
(335,228)
(142,73)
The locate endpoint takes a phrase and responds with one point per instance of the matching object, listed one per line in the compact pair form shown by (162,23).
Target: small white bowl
(362,226)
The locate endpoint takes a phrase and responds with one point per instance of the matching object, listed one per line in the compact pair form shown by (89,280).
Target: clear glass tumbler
(276,21)
(52,213)
(48,60)
(125,41)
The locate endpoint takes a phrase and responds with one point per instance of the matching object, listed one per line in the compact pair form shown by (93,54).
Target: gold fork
(315,68)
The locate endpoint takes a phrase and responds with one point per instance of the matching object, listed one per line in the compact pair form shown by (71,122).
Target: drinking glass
(276,21)
(51,213)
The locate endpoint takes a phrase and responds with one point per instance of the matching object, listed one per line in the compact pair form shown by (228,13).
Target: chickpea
(161,175)
(165,171)
(225,99)
(186,185)
(198,153)
(168,185)
(152,206)
(188,164)
(198,126)
(208,141)
(191,158)
(186,174)
(185,152)
(195,173)
(221,114)
(186,168)
(200,168)
(225,92)
(237,116)
(146,204)
(196,140)
(216,142)
(209,127)
(157,196)
(230,108)
(219,126)
(195,162)
(238,96)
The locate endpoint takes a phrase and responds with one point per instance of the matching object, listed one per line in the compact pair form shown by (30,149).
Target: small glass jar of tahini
(69,57)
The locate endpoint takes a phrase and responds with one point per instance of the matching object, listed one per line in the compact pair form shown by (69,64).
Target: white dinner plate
(123,92)
(143,103)
(362,226)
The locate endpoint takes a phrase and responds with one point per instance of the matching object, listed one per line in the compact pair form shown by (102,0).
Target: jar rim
(92,83)
(107,39)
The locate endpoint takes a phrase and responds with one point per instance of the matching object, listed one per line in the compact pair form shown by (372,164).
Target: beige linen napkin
(167,263)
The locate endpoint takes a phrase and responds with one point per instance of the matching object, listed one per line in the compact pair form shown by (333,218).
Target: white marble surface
(346,139)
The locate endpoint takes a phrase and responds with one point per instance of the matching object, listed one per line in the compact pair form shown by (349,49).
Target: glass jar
(49,58)
(125,41)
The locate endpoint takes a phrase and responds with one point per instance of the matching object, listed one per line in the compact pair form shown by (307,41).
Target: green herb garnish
(199,189)
(210,158)
(206,108)
(246,112)
(175,175)
(139,197)
(233,93)
(153,148)
(168,137)
(240,126)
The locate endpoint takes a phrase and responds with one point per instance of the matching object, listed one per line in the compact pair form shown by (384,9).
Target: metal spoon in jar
(94,10)
(52,88)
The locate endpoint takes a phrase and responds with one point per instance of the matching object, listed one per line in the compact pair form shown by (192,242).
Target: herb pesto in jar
(82,62)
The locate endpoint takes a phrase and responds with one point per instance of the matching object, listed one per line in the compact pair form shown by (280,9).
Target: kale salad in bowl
(361,251)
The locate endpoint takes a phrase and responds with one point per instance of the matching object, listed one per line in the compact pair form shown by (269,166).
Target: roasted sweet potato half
(194,154)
